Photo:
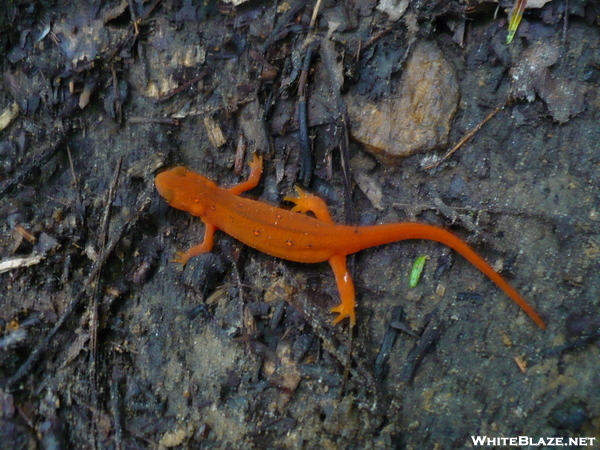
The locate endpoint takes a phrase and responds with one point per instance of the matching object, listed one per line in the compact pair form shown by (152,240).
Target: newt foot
(181,258)
(344,311)
(256,163)
(301,203)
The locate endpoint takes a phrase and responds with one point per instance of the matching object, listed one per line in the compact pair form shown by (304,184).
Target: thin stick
(313,19)
(466,137)
(348,361)
(565,22)
(184,86)
(118,100)
(36,162)
(72,166)
(95,300)
(306,153)
(159,120)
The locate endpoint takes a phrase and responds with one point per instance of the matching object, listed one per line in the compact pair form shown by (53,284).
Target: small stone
(172,438)
(418,118)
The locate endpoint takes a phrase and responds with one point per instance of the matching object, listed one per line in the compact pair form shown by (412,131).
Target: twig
(378,36)
(41,159)
(240,154)
(306,156)
(118,99)
(95,300)
(110,197)
(306,153)
(329,61)
(466,137)
(434,328)
(160,120)
(72,167)
(565,22)
(133,31)
(184,86)
(283,23)
(387,344)
(115,407)
(315,13)
(16,263)
(348,361)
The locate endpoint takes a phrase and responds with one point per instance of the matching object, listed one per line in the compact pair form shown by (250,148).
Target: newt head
(185,190)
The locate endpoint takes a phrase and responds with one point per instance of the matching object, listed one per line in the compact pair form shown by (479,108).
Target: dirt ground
(107,343)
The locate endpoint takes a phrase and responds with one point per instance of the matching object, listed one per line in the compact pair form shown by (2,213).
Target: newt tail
(384,234)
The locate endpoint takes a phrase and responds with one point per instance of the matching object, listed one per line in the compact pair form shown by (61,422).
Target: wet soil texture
(390,111)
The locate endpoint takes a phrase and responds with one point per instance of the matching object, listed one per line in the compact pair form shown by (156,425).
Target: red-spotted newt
(299,237)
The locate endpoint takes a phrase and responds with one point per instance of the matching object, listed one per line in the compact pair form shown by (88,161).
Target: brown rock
(418,117)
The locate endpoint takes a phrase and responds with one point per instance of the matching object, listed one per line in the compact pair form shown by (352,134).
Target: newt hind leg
(346,288)
(306,202)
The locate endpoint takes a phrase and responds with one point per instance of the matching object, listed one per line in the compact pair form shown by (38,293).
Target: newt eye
(167,194)
(180,171)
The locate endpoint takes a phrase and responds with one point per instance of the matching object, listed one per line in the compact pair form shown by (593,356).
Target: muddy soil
(107,343)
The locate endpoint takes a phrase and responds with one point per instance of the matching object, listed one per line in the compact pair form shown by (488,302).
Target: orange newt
(298,237)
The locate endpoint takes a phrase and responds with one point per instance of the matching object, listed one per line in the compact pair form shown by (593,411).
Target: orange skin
(299,237)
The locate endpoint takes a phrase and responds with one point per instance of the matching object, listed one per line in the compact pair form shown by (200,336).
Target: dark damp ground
(106,343)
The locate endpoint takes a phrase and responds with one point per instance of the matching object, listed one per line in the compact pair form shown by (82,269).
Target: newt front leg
(256,167)
(204,247)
